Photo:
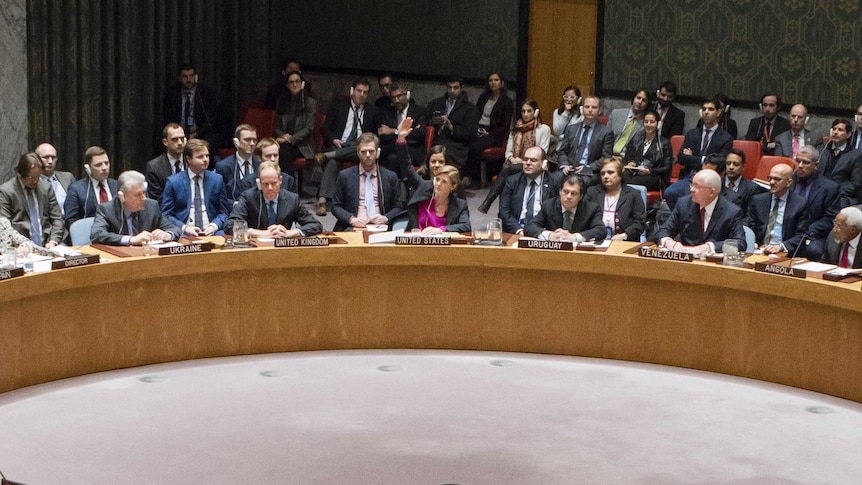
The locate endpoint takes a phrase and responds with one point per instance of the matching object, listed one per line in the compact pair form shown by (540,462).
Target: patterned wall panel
(808,51)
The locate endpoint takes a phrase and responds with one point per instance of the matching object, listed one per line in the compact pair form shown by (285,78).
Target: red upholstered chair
(300,163)
(490,154)
(676,144)
(766,164)
(429,137)
(604,119)
(226,152)
(753,151)
(261,118)
(674,172)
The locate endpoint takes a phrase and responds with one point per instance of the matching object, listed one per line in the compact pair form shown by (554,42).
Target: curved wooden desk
(142,311)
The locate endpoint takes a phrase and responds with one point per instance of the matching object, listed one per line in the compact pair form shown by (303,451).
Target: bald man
(787,144)
(59,180)
(779,218)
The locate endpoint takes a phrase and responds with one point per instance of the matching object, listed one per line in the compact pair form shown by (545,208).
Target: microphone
(804,242)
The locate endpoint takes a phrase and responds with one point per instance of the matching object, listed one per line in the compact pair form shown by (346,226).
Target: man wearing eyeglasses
(400,108)
(29,203)
(525,192)
(822,196)
(778,219)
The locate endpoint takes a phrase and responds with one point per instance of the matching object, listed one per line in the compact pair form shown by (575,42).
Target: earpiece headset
(536,113)
(351,90)
(121,196)
(257,181)
(408,95)
(581,109)
(236,143)
(87,169)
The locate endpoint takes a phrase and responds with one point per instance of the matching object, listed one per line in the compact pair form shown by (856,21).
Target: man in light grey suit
(59,180)
(30,204)
(787,144)
(626,122)
(585,144)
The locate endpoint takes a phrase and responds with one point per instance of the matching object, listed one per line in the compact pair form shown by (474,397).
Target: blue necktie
(271,212)
(199,212)
(35,223)
(369,196)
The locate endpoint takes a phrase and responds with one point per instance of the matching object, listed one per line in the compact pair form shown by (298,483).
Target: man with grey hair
(702,221)
(842,246)
(822,200)
(131,218)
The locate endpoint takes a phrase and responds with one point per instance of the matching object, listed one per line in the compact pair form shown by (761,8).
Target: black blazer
(659,156)
(744,192)
(416,138)
(290,209)
(587,221)
(336,119)
(205,111)
(631,213)
(793,227)
(512,197)
(673,123)
(845,170)
(232,175)
(823,204)
(832,253)
(110,224)
(755,131)
(158,171)
(721,142)
(465,125)
(501,117)
(457,215)
(81,201)
(684,224)
(345,202)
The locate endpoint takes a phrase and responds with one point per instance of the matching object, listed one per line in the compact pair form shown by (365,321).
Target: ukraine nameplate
(781,270)
(6,274)
(198,247)
(422,241)
(552,245)
(296,242)
(75,261)
(655,253)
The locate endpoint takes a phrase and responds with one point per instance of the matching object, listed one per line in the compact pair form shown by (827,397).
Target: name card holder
(780,267)
(550,245)
(422,241)
(75,261)
(6,274)
(198,247)
(296,242)
(656,253)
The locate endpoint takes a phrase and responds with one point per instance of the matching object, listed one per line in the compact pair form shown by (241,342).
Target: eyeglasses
(572,98)
(776,179)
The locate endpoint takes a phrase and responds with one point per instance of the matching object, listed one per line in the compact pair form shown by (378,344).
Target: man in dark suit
(842,245)
(736,188)
(778,219)
(698,143)
(768,126)
(270,210)
(59,180)
(568,217)
(856,137)
(241,164)
(701,222)
(203,210)
(455,119)
(191,105)
(168,163)
(131,219)
(525,192)
(29,203)
(842,164)
(96,188)
(822,196)
(585,144)
(671,118)
(401,108)
(366,196)
(787,144)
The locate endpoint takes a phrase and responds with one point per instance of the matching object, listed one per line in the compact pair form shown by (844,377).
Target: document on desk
(384,237)
(845,271)
(814,266)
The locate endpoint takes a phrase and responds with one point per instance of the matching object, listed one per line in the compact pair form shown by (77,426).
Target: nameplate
(656,253)
(296,242)
(552,245)
(6,274)
(200,247)
(422,241)
(781,270)
(74,261)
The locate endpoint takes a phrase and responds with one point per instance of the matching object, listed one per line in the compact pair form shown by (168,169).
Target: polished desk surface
(127,312)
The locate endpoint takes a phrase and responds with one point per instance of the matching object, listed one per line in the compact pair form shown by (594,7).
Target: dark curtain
(98,69)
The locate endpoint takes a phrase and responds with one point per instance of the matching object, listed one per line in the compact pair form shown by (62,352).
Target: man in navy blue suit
(778,218)
(195,199)
(823,198)
(86,194)
(235,168)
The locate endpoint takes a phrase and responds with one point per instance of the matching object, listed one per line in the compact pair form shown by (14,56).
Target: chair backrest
(753,151)
(80,231)
(430,131)
(749,239)
(643,191)
(675,145)
(603,119)
(769,161)
(261,118)
(319,121)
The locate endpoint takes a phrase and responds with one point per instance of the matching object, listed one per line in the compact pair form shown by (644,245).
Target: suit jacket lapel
(716,214)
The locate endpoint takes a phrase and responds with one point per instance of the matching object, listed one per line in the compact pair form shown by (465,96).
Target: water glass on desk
(240,233)
(495,232)
(731,253)
(9,258)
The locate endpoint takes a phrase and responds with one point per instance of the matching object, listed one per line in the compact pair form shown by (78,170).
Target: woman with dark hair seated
(294,122)
(433,205)
(569,112)
(528,132)
(495,118)
(623,209)
(649,157)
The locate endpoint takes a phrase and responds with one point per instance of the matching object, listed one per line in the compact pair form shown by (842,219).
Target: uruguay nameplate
(198,247)
(552,245)
(74,261)
(422,241)
(6,274)
(656,253)
(781,270)
(297,242)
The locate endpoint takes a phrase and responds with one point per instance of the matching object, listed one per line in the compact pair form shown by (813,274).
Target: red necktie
(103,194)
(795,145)
(845,256)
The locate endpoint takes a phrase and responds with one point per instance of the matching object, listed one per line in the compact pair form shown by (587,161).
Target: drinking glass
(240,233)
(495,232)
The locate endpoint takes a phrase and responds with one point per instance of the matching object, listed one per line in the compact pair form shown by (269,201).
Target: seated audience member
(29,203)
(768,126)
(86,194)
(59,180)
(528,132)
(346,120)
(190,105)
(842,245)
(433,206)
(823,199)
(736,188)
(279,86)
(401,108)
(724,121)
(455,120)
(623,211)
(842,164)
(195,199)
(585,144)
(367,193)
(240,165)
(788,143)
(294,122)
(648,156)
(267,150)
(168,163)
(384,82)
(702,221)
(671,120)
(856,137)
(495,109)
(434,160)
(568,216)
(131,219)
(525,192)
(698,143)
(270,210)
(626,122)
(778,218)
(568,113)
